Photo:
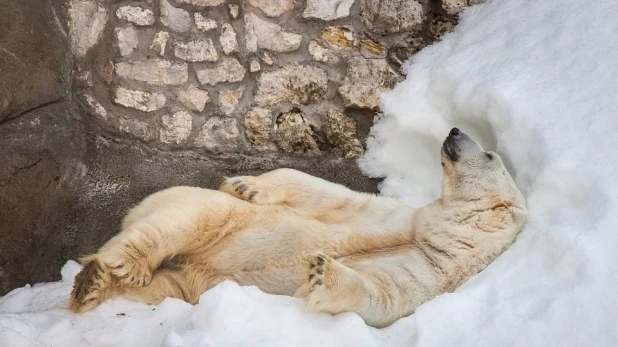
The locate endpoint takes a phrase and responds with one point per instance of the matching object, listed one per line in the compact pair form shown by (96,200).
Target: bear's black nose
(454,132)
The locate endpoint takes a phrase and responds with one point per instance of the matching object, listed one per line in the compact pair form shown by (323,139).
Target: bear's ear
(519,214)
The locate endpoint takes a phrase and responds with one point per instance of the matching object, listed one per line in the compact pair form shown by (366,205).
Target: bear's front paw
(89,287)
(130,271)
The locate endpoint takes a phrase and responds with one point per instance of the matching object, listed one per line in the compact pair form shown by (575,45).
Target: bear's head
(473,174)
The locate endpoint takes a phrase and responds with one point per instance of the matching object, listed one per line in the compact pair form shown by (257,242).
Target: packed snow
(537,82)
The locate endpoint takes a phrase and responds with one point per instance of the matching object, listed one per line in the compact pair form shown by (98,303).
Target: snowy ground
(535,80)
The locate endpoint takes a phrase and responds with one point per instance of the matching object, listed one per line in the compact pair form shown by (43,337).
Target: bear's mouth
(450,149)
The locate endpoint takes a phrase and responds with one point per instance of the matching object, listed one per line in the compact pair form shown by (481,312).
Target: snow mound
(535,81)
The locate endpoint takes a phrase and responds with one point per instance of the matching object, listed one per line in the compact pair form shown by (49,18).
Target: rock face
(261,34)
(258,122)
(136,15)
(454,6)
(139,100)
(273,8)
(228,40)
(294,135)
(218,135)
(87,21)
(198,50)
(175,129)
(203,3)
(365,80)
(174,18)
(41,136)
(228,100)
(392,16)
(340,130)
(193,98)
(136,129)
(327,9)
(156,71)
(127,40)
(159,43)
(204,24)
(294,84)
(228,70)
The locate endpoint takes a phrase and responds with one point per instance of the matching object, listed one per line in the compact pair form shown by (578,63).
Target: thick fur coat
(290,233)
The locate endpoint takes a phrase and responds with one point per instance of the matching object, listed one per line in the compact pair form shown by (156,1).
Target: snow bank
(534,80)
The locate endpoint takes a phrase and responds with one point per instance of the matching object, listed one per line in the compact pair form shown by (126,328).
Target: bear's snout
(454,132)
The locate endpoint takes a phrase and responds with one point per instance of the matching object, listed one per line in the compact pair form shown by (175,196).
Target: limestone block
(175,128)
(155,71)
(228,70)
(196,50)
(136,15)
(218,135)
(138,99)
(261,34)
(295,84)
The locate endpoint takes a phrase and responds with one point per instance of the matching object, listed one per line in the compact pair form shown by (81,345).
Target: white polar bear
(290,233)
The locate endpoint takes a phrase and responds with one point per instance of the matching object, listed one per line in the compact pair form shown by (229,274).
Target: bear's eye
(489,155)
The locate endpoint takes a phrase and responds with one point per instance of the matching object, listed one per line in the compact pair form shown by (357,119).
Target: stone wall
(227,77)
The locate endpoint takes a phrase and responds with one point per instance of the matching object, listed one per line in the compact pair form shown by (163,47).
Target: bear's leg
(137,251)
(294,189)
(94,285)
(333,288)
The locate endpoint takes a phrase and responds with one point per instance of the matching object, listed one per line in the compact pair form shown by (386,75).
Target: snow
(534,80)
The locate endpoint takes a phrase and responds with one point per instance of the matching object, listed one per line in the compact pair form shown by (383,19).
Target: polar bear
(290,233)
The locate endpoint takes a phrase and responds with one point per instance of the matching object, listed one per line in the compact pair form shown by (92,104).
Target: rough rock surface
(204,24)
(228,70)
(440,25)
(273,8)
(294,135)
(327,9)
(174,18)
(127,40)
(95,108)
(136,15)
(197,50)
(193,98)
(228,40)
(340,130)
(365,80)
(218,135)
(136,129)
(233,10)
(159,43)
(294,84)
(228,99)
(339,37)
(87,21)
(155,71)
(322,54)
(175,129)
(202,3)
(261,34)
(258,122)
(454,6)
(254,65)
(41,141)
(392,16)
(139,100)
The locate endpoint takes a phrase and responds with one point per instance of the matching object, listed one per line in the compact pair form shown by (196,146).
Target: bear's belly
(274,255)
